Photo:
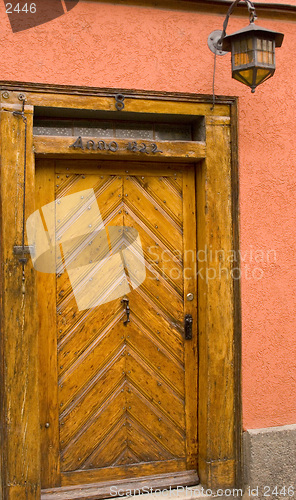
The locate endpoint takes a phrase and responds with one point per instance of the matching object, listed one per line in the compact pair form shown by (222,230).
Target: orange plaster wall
(105,45)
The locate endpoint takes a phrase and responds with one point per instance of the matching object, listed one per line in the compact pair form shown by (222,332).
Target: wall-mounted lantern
(252,49)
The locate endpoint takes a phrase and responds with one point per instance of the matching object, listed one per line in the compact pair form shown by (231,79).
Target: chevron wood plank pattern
(94,431)
(140,439)
(86,366)
(92,396)
(121,389)
(155,221)
(168,335)
(157,424)
(162,260)
(110,448)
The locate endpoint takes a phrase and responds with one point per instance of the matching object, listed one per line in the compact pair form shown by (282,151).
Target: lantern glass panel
(248,77)
(265,52)
(245,76)
(262,75)
(243,52)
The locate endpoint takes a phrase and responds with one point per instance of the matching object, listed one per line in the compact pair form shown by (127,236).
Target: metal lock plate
(188,320)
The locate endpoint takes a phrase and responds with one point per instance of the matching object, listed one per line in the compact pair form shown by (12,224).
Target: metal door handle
(188,320)
(126,310)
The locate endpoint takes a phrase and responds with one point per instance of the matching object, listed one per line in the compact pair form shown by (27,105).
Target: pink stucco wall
(105,45)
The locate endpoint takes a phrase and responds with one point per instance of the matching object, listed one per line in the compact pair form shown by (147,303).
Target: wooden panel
(154,389)
(47,336)
(123,472)
(109,375)
(216,323)
(19,340)
(168,337)
(103,490)
(166,433)
(50,145)
(89,401)
(151,216)
(117,167)
(87,370)
(136,101)
(145,343)
(190,287)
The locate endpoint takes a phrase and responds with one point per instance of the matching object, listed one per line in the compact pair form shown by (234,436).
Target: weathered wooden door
(118,400)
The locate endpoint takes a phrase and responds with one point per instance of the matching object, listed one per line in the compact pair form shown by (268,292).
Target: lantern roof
(253,29)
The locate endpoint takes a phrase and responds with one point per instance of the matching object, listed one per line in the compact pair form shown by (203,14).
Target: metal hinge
(26,250)
(21,251)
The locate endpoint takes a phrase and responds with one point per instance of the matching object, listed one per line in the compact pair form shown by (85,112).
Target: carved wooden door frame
(219,418)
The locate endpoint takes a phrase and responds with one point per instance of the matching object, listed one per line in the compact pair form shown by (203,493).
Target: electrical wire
(214,77)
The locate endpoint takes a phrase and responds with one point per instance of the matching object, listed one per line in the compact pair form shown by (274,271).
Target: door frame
(219,415)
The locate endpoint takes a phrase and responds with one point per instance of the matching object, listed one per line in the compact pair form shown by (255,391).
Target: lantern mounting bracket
(216,37)
(214,43)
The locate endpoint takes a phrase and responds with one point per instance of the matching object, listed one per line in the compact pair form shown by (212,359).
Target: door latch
(127,310)
(188,320)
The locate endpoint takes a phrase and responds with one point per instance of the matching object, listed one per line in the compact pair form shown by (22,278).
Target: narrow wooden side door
(118,398)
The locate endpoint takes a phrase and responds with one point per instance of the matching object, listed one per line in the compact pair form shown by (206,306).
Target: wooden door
(119,400)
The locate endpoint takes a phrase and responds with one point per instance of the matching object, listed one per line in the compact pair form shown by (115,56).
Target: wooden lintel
(148,150)
(59,96)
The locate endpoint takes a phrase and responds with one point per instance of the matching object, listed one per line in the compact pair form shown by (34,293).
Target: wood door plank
(110,448)
(95,430)
(154,388)
(91,398)
(87,366)
(141,207)
(96,167)
(76,216)
(149,448)
(169,334)
(64,286)
(72,182)
(163,194)
(155,355)
(127,457)
(156,423)
(103,489)
(119,472)
(84,330)
(190,307)
(165,298)
(164,262)
(46,293)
